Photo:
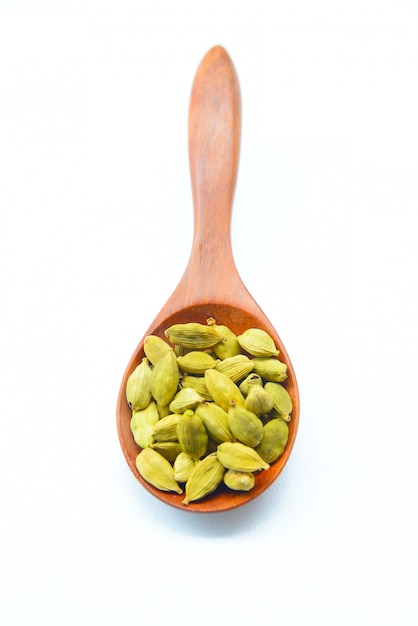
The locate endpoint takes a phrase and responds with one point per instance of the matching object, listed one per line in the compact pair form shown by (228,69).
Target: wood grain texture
(211,285)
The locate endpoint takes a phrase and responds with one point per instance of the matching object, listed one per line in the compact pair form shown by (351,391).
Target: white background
(95,232)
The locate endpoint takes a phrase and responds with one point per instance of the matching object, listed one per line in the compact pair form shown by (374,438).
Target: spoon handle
(214,145)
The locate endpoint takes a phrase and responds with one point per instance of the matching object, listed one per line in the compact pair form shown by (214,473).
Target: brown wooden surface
(211,285)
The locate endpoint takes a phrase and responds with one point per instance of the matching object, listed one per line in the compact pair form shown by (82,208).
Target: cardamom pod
(138,386)
(235,367)
(282,402)
(273,443)
(247,383)
(257,343)
(222,389)
(196,362)
(168,449)
(155,348)
(270,369)
(192,435)
(245,425)
(204,479)
(229,345)
(142,424)
(239,481)
(259,401)
(193,335)
(185,399)
(163,411)
(239,457)
(165,379)
(183,466)
(166,428)
(157,471)
(215,421)
(198,384)
(180,351)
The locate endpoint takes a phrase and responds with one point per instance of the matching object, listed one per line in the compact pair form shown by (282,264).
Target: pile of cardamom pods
(209,407)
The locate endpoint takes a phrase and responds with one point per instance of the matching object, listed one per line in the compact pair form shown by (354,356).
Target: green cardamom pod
(183,466)
(193,335)
(270,369)
(235,367)
(185,399)
(273,443)
(168,449)
(198,384)
(138,386)
(239,481)
(257,343)
(215,421)
(247,383)
(259,401)
(166,428)
(180,351)
(155,348)
(163,411)
(229,345)
(157,471)
(196,362)
(192,435)
(165,379)
(282,402)
(204,479)
(245,425)
(239,457)
(222,389)
(142,424)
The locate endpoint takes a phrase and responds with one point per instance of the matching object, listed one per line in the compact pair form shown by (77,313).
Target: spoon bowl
(211,285)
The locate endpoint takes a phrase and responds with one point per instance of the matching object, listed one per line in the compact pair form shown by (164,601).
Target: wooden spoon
(211,285)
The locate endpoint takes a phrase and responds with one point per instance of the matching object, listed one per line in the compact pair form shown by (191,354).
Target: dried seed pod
(185,399)
(247,383)
(270,369)
(165,379)
(166,428)
(204,478)
(273,443)
(138,386)
(180,351)
(229,346)
(235,367)
(168,449)
(215,421)
(282,402)
(183,466)
(198,384)
(192,435)
(258,343)
(157,471)
(155,348)
(196,362)
(163,411)
(237,456)
(193,335)
(222,389)
(142,424)
(259,401)
(239,481)
(245,425)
